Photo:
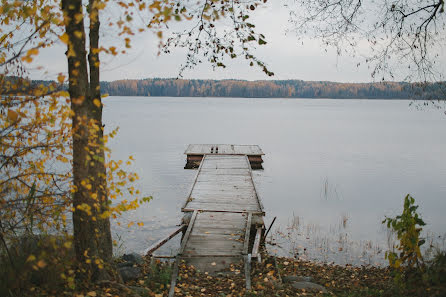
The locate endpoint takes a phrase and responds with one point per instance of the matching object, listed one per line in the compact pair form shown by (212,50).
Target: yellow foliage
(64,38)
(100,5)
(97,103)
(78,34)
(41,264)
(12,115)
(31,258)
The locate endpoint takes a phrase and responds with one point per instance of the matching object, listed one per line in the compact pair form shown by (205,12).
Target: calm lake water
(333,168)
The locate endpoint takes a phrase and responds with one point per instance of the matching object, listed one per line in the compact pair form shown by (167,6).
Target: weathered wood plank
(254,187)
(208,189)
(188,231)
(224,197)
(242,203)
(161,242)
(214,248)
(195,180)
(222,207)
(247,234)
(234,207)
(224,183)
(222,171)
(255,248)
(209,177)
(254,212)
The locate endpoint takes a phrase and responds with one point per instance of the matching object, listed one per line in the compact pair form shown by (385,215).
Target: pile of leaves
(268,278)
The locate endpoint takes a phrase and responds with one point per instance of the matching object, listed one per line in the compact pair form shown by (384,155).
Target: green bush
(407,227)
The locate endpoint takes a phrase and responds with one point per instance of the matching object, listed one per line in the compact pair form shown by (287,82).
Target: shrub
(408,227)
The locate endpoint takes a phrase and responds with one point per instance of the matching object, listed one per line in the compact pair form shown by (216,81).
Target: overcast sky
(284,54)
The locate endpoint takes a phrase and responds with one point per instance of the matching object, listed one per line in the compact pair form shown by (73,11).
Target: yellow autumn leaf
(41,264)
(113,50)
(64,94)
(79,17)
(27,59)
(12,115)
(32,51)
(78,34)
(61,78)
(100,5)
(97,102)
(64,38)
(31,258)
(92,294)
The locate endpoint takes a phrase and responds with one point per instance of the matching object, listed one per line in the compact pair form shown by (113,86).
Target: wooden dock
(195,153)
(223,213)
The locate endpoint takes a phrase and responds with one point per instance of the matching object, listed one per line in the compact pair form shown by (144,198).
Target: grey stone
(296,278)
(129,273)
(133,258)
(124,264)
(309,286)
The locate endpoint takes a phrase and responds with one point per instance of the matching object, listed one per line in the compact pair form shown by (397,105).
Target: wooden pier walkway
(223,221)
(223,212)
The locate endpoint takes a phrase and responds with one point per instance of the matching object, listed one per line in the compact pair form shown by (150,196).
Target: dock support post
(248,271)
(247,256)
(255,248)
(173,281)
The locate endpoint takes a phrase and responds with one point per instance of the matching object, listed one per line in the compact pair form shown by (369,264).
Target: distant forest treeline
(273,89)
(248,89)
